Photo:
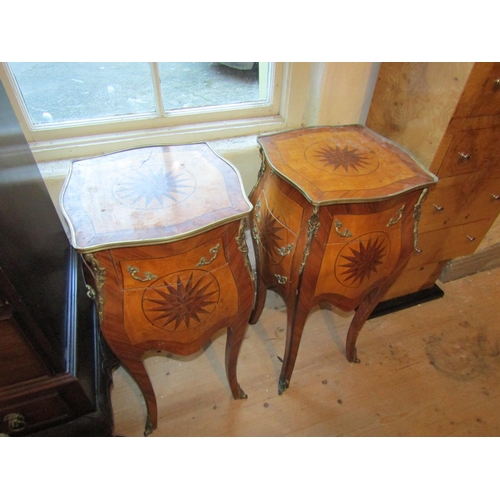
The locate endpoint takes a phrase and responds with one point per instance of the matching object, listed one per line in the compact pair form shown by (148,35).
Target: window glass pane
(63,92)
(200,84)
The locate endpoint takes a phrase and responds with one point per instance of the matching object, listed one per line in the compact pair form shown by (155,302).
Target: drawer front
(361,250)
(444,202)
(277,222)
(472,151)
(413,279)
(140,273)
(181,304)
(482,203)
(347,227)
(446,244)
(465,238)
(47,409)
(488,102)
(42,402)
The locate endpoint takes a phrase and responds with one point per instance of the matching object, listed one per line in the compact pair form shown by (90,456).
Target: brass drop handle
(214,251)
(470,238)
(438,208)
(397,218)
(464,156)
(281,279)
(15,422)
(284,251)
(345,234)
(495,197)
(90,292)
(134,271)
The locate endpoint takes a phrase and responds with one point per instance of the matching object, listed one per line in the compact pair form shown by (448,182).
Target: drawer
(181,305)
(347,227)
(140,273)
(277,221)
(47,409)
(354,266)
(482,203)
(472,151)
(43,402)
(414,279)
(444,202)
(446,244)
(488,103)
(276,235)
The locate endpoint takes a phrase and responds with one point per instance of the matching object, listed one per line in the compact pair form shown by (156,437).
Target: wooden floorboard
(430,370)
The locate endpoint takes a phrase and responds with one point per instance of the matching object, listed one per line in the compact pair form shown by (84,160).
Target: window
(84,102)
(62,94)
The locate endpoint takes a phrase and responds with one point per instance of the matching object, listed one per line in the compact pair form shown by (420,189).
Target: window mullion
(155,74)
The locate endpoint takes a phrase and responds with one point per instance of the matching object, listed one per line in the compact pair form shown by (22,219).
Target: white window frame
(285,109)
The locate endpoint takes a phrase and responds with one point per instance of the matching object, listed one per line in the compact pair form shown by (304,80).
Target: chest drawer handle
(395,220)
(464,156)
(281,279)
(495,197)
(15,422)
(438,208)
(496,84)
(284,251)
(214,251)
(134,271)
(470,238)
(346,233)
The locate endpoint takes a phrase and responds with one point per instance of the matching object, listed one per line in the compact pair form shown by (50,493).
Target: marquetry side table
(335,221)
(162,233)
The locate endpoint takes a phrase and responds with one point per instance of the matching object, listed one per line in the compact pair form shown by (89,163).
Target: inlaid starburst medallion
(360,261)
(152,187)
(181,300)
(341,159)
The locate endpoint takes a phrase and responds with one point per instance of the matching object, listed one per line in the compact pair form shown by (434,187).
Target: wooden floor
(431,370)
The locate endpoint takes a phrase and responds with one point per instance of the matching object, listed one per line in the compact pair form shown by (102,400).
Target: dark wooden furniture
(335,221)
(54,372)
(448,116)
(162,233)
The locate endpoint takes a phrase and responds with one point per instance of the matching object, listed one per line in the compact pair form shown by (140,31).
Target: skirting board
(486,259)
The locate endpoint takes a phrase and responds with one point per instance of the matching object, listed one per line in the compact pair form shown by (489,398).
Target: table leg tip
(282,386)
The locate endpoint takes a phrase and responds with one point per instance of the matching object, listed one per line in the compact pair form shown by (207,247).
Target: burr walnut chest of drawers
(162,233)
(335,221)
(448,116)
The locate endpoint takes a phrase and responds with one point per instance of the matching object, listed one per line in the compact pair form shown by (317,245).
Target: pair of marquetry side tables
(162,234)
